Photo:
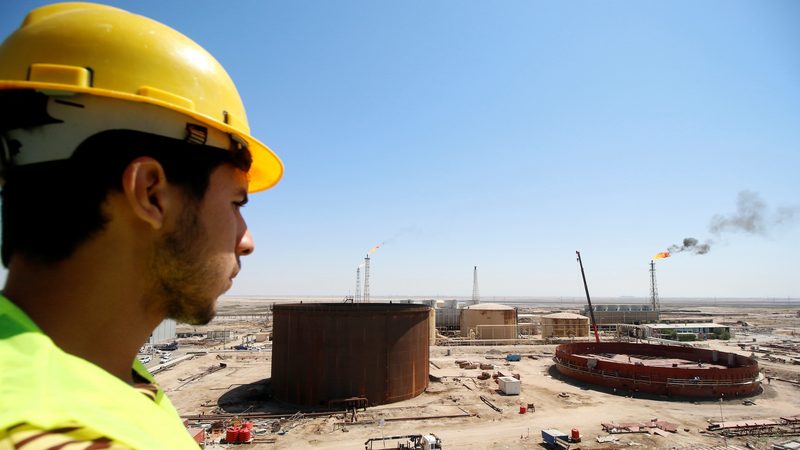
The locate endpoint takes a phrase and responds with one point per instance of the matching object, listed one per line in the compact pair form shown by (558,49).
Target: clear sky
(510,134)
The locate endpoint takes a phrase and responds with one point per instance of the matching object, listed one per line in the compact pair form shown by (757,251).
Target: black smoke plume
(691,245)
(751,216)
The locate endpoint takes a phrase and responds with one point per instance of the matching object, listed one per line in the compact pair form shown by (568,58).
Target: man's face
(197,260)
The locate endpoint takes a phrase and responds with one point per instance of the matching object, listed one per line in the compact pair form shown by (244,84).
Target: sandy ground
(199,385)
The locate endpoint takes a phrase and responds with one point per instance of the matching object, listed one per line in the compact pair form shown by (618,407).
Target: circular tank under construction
(659,369)
(327,354)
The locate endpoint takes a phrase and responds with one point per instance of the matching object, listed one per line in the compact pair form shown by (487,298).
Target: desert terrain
(212,384)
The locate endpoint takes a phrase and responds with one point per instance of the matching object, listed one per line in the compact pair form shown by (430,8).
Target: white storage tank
(509,385)
(473,317)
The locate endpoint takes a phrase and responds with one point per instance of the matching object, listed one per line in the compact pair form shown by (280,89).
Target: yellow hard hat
(86,50)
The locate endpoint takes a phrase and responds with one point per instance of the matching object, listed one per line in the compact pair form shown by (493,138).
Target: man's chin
(197,317)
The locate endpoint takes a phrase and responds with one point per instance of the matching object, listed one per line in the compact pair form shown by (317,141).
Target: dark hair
(51,208)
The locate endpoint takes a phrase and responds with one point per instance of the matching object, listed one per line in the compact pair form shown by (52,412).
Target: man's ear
(145,186)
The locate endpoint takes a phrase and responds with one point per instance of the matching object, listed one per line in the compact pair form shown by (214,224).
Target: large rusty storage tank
(659,369)
(326,352)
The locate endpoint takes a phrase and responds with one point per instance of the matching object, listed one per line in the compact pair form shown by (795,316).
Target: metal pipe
(588,299)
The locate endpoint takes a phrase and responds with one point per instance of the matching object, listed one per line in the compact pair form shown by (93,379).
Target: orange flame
(661,255)
(375,248)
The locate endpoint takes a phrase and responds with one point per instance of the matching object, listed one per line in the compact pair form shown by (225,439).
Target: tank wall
(553,327)
(497,331)
(471,318)
(324,352)
(432,326)
(575,354)
(448,318)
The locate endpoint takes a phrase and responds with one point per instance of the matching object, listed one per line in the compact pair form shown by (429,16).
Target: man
(126,157)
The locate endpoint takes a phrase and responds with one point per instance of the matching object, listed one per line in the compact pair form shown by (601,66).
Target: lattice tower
(366,279)
(654,288)
(357,297)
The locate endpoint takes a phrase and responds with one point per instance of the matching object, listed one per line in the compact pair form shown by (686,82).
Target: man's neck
(91,308)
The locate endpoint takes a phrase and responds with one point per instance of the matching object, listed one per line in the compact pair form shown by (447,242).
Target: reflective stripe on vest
(45,387)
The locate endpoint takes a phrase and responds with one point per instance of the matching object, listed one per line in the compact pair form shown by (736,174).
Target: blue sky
(509,134)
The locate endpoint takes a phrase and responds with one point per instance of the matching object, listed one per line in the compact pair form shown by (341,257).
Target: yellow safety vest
(48,388)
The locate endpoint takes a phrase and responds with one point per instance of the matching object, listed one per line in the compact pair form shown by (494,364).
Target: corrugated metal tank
(448,318)
(488,314)
(565,325)
(324,352)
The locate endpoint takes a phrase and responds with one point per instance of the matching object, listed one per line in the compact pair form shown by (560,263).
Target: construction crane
(588,299)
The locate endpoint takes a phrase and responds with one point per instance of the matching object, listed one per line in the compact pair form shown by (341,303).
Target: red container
(248,425)
(232,435)
(244,435)
(575,436)
(522,410)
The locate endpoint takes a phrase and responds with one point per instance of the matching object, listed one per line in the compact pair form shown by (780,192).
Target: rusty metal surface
(328,351)
(720,372)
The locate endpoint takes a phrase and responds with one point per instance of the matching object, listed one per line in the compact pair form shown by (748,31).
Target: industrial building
(489,321)
(220,335)
(564,325)
(688,331)
(631,314)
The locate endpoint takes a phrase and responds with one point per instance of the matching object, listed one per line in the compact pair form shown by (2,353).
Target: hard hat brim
(266,170)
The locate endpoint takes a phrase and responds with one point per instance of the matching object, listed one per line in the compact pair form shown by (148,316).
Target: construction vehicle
(555,439)
(408,442)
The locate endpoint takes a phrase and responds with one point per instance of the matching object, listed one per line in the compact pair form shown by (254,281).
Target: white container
(509,385)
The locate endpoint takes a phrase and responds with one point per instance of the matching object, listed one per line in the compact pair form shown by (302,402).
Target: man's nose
(246,245)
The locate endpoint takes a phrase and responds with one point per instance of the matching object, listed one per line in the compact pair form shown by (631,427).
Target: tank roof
(491,306)
(351,307)
(564,316)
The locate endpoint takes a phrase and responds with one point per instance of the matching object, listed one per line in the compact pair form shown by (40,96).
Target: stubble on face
(183,271)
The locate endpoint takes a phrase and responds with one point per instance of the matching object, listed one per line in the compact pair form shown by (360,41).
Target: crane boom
(588,299)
